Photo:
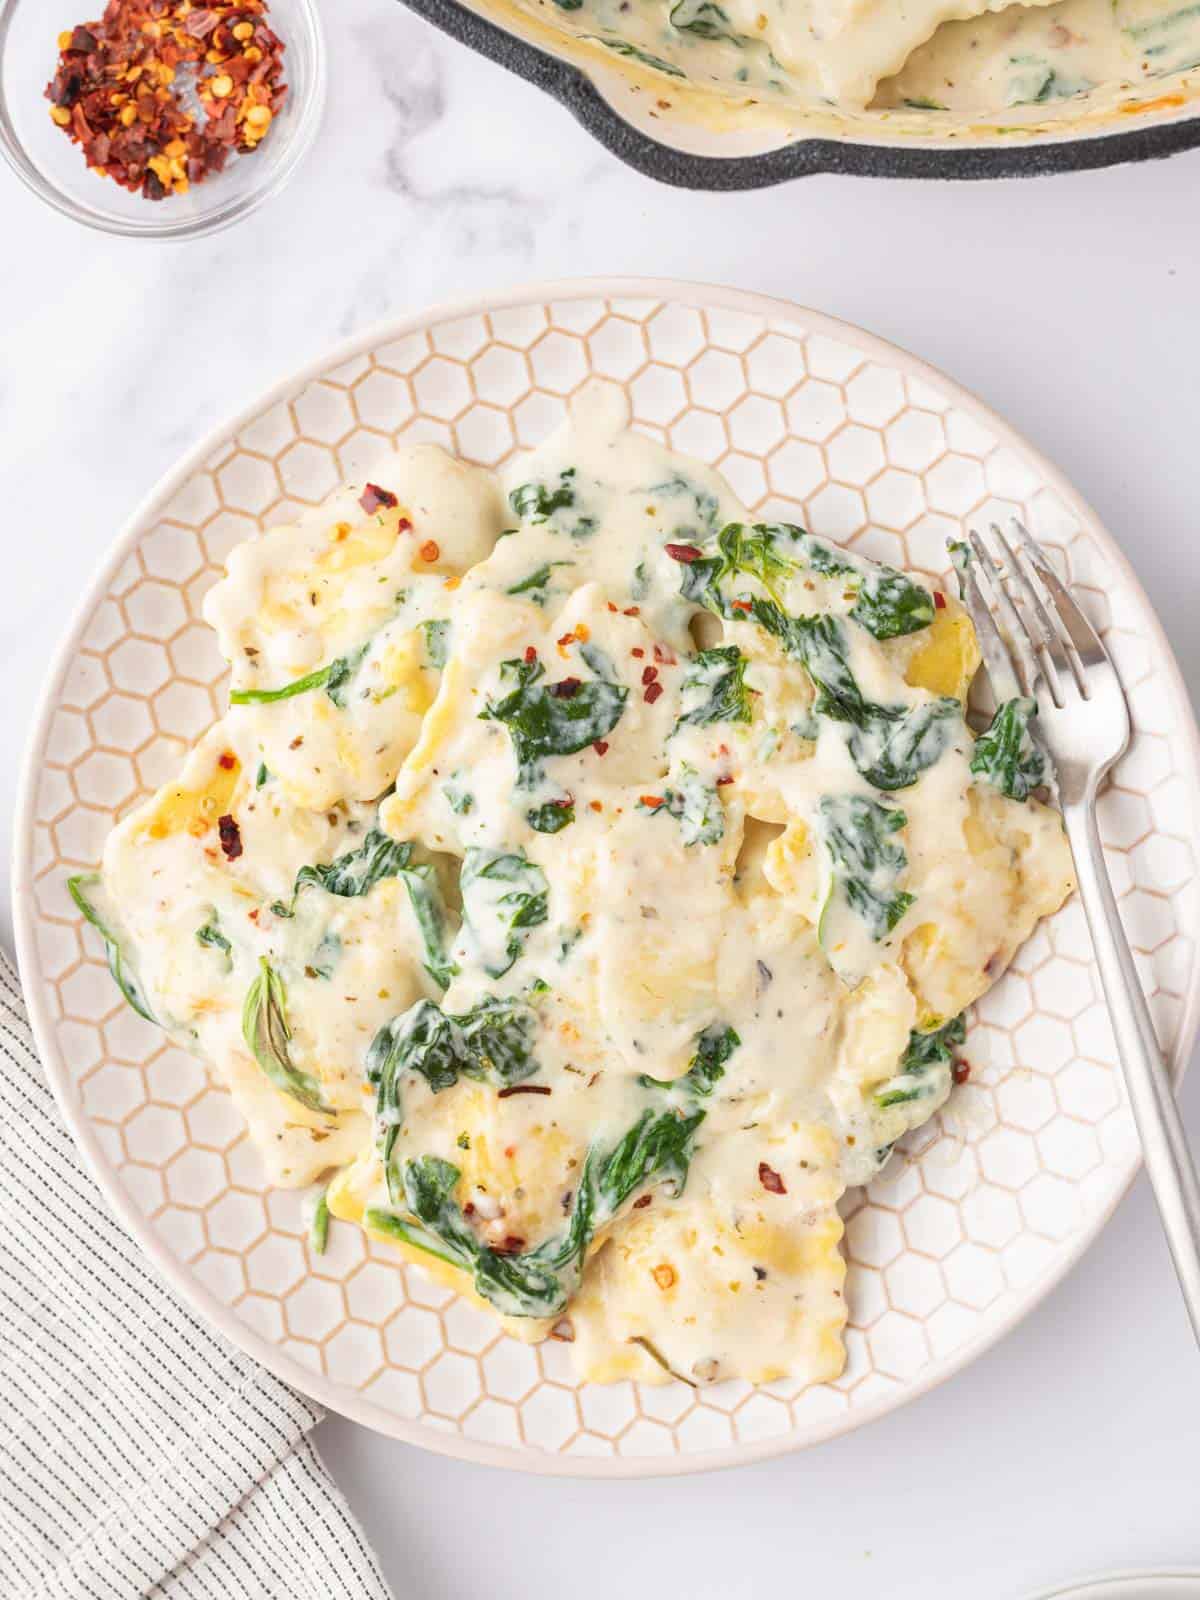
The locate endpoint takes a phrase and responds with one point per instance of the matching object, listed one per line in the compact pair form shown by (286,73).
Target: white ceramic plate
(810,420)
(1131,1586)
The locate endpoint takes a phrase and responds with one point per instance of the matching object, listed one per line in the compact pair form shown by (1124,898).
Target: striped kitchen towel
(140,1455)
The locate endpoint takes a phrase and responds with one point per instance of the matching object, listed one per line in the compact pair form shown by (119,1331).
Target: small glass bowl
(54,168)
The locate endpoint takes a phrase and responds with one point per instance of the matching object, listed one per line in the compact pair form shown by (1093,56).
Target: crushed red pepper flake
(664,655)
(649,674)
(961,1071)
(939,600)
(642,1200)
(637,651)
(523,1088)
(124,86)
(566,688)
(724,779)
(600,747)
(373,498)
(651,693)
(227,760)
(741,605)
(530,654)
(632,611)
(687,553)
(230,836)
(770,1179)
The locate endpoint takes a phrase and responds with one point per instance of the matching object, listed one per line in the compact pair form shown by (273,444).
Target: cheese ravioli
(586,884)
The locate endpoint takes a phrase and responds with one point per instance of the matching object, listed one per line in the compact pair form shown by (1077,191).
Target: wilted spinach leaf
(705,19)
(1006,755)
(491,1043)
(504,895)
(358,871)
(459,800)
(623,47)
(210,934)
(714,688)
(266,1032)
(543,721)
(893,747)
(657,1148)
(925,1068)
(86,892)
(535,585)
(696,806)
(437,642)
(551,817)
(890,604)
(539,503)
(887,602)
(335,679)
(866,861)
(325,957)
(890,745)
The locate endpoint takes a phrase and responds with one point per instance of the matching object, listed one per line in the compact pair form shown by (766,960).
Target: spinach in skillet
(706,20)
(622,47)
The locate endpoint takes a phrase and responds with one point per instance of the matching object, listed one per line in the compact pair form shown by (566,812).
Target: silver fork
(1036,642)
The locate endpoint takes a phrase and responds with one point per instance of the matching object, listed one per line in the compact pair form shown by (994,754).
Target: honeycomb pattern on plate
(969,1225)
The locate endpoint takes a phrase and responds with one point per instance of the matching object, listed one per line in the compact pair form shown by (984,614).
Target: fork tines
(1031,627)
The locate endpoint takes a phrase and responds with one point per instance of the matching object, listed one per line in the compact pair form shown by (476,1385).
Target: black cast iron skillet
(806,156)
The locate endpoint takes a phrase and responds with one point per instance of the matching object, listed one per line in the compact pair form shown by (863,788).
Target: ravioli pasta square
(585,887)
(941,69)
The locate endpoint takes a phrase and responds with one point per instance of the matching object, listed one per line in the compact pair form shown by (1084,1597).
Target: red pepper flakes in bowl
(160,92)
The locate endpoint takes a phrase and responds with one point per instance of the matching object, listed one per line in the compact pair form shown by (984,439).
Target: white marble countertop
(1069,305)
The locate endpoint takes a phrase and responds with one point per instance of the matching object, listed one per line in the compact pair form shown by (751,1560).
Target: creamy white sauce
(699,890)
(1040,56)
(973,57)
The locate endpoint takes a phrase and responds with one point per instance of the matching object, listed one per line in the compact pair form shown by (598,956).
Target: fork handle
(1160,1128)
